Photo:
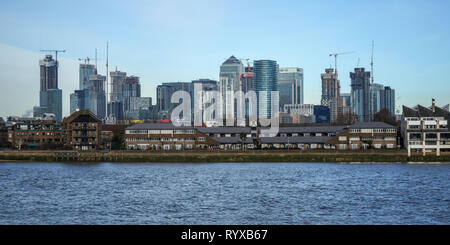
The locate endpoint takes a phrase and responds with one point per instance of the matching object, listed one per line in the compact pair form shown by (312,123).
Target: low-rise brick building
(82,131)
(36,133)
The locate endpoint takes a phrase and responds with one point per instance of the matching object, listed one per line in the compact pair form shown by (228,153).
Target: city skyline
(409,38)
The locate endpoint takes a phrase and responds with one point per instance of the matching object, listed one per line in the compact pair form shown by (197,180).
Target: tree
(243,137)
(347,118)
(384,116)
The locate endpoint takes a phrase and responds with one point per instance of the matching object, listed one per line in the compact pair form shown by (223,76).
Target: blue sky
(169,41)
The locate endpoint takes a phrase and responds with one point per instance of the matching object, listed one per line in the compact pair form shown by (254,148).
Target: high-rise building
(266,80)
(377,97)
(248,79)
(86,70)
(135,104)
(97,96)
(49,73)
(164,94)
(230,82)
(389,99)
(206,85)
(331,92)
(346,104)
(361,95)
(131,87)
(50,97)
(290,85)
(117,85)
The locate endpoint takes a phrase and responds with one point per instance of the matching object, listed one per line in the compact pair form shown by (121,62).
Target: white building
(426,130)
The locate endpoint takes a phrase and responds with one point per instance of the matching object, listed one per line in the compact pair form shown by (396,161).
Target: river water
(224,193)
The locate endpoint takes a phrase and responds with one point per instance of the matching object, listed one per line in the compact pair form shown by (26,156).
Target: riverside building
(426,130)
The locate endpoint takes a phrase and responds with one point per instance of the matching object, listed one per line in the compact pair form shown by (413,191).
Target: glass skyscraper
(86,70)
(361,94)
(290,85)
(266,80)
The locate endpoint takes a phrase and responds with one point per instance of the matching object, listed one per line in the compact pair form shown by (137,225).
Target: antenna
(371,62)
(95,60)
(371,82)
(357,65)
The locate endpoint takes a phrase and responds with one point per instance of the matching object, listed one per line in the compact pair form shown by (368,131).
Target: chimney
(433,105)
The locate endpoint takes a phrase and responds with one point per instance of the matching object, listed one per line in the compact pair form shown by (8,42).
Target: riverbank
(369,156)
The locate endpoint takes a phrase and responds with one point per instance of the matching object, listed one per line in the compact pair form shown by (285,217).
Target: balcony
(84,128)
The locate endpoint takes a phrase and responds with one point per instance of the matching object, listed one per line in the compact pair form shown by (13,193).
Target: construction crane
(335,59)
(248,63)
(56,52)
(86,60)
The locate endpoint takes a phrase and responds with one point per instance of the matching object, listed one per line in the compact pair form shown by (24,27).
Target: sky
(177,40)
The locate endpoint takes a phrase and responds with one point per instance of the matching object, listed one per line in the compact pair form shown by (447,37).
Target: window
(342,138)
(201,139)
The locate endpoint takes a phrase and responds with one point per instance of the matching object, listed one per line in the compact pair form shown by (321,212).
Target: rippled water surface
(224,193)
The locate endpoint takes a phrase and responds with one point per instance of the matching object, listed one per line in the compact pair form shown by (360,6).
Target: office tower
(115,109)
(248,79)
(50,97)
(346,106)
(361,95)
(230,82)
(117,85)
(131,87)
(135,106)
(331,92)
(97,96)
(389,99)
(266,80)
(377,97)
(164,94)
(206,85)
(86,70)
(49,73)
(290,85)
(79,100)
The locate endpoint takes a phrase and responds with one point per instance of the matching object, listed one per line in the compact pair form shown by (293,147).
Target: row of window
(374,130)
(165,139)
(188,131)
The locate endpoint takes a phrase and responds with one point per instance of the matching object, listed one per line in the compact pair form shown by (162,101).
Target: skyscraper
(97,96)
(230,82)
(389,99)
(164,94)
(290,85)
(361,95)
(50,97)
(49,73)
(330,92)
(266,80)
(86,70)
(117,85)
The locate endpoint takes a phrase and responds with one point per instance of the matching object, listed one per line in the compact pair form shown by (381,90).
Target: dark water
(224,193)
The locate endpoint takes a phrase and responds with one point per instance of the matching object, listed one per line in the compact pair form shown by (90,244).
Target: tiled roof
(155,126)
(296,140)
(312,129)
(368,125)
(224,130)
(421,111)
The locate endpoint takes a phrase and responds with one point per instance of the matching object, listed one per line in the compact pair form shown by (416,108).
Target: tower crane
(56,52)
(247,60)
(335,59)
(86,60)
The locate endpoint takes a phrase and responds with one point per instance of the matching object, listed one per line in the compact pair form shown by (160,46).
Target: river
(224,193)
